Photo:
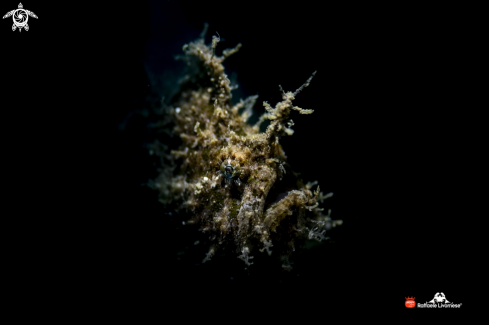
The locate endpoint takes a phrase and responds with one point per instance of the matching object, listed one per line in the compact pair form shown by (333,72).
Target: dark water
(78,104)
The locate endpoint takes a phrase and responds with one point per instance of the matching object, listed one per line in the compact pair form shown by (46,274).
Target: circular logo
(20,17)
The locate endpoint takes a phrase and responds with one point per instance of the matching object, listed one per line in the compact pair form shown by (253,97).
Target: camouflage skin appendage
(232,179)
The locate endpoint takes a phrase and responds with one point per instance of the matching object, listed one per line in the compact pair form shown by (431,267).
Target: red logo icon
(410,303)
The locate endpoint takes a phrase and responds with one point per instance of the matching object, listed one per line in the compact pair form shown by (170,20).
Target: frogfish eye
(229,171)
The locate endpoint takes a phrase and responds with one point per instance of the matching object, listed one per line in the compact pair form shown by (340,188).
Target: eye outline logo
(18,16)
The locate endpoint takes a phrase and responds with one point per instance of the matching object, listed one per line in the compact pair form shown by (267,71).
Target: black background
(386,137)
